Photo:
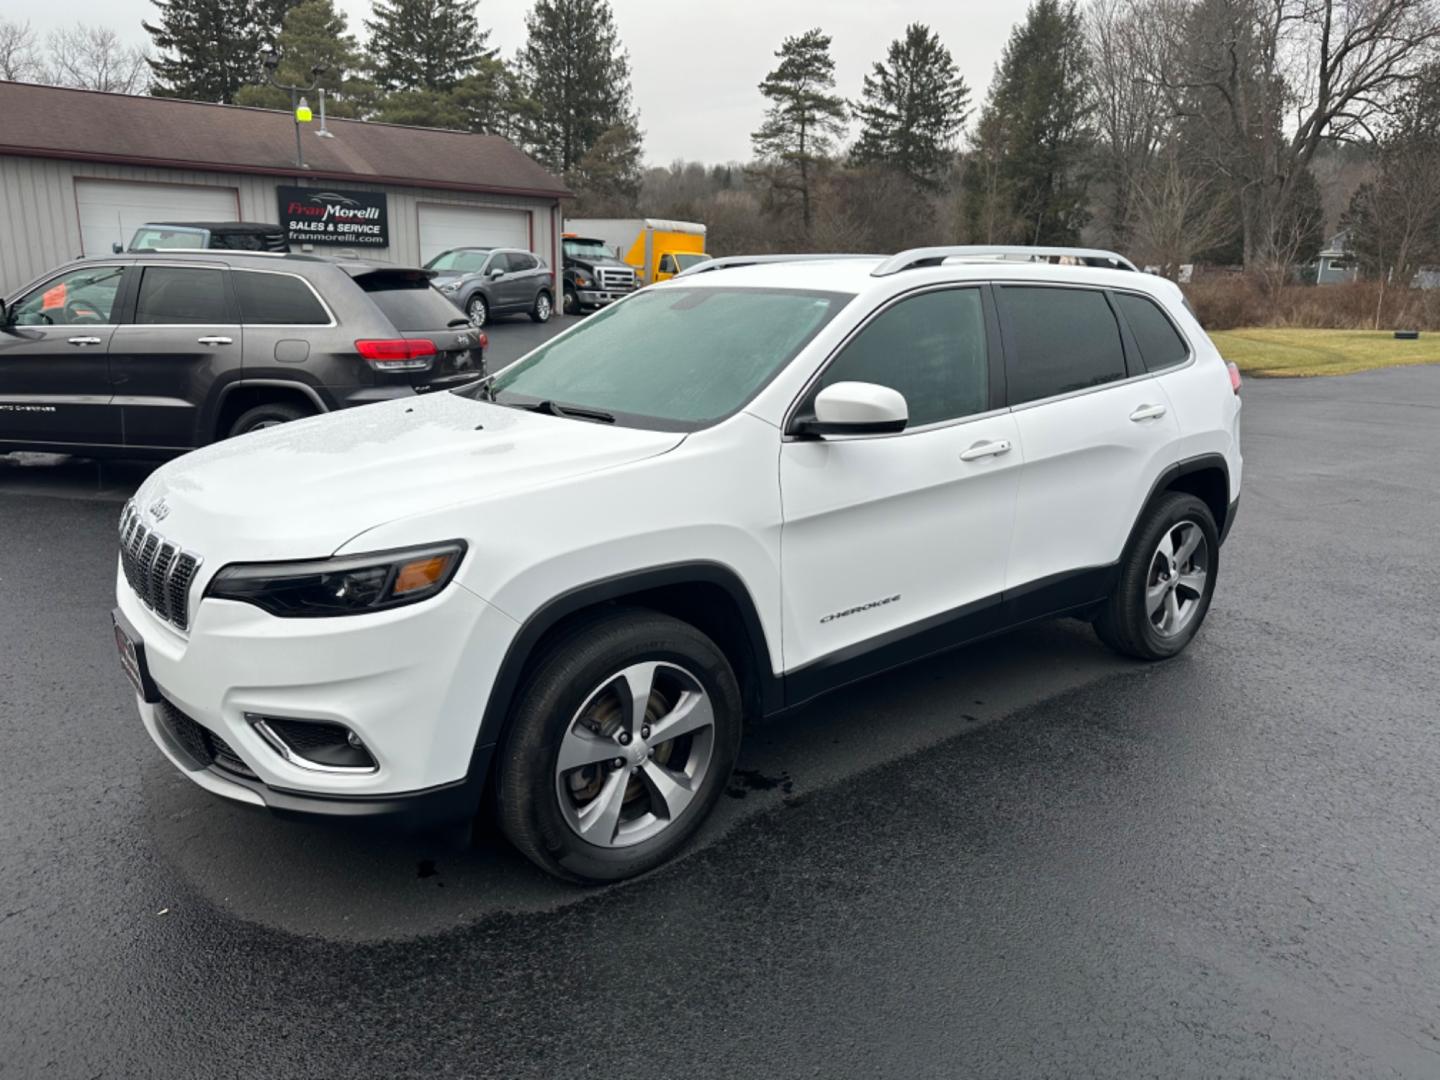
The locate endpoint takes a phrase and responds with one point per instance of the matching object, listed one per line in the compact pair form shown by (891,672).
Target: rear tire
(264,416)
(1166,581)
(605,695)
(543,309)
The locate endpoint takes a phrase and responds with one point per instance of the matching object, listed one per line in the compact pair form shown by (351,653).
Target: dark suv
(152,354)
(485,282)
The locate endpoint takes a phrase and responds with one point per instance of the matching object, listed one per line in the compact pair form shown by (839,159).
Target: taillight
(484,340)
(397,354)
(1234,378)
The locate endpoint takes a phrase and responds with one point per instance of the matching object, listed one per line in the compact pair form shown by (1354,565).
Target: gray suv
(485,282)
(151,354)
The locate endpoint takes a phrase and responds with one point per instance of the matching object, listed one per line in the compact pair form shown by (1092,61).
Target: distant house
(1336,264)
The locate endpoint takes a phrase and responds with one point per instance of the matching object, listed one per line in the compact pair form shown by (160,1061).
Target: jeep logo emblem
(159,508)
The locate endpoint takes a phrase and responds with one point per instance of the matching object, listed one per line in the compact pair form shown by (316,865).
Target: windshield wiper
(569,412)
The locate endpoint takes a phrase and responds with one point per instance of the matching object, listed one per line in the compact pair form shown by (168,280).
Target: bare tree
(19,58)
(1264,82)
(1175,214)
(1130,112)
(94,58)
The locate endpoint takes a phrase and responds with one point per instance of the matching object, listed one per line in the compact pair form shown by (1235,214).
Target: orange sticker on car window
(53,298)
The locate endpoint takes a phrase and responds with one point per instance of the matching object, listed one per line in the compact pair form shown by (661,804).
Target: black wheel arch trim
(1171,473)
(494,724)
(217,407)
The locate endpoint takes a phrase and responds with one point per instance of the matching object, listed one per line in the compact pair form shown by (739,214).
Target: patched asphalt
(1029,858)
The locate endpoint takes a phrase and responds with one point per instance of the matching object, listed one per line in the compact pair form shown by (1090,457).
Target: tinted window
(1064,340)
(409,302)
(1161,345)
(181,294)
(276,299)
(679,357)
(518,260)
(79,298)
(931,348)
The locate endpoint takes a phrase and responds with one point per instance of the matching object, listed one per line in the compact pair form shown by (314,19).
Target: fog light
(316,745)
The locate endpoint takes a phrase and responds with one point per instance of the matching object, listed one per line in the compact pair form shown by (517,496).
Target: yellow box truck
(656,248)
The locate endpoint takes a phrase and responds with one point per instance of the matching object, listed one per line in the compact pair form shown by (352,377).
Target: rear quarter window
(409,301)
(276,300)
(1161,345)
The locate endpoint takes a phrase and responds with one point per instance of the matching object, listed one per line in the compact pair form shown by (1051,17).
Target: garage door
(111,210)
(445,227)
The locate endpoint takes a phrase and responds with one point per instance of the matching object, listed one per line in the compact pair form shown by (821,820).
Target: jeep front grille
(158,571)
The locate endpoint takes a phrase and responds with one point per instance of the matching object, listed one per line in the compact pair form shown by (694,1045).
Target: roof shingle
(49,121)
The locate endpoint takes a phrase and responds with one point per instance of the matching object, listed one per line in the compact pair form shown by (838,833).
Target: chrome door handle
(986,449)
(84,341)
(214,340)
(1148,412)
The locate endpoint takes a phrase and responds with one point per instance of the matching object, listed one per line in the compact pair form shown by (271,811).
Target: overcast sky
(695,63)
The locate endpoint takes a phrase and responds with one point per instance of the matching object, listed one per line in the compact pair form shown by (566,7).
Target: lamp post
(271,61)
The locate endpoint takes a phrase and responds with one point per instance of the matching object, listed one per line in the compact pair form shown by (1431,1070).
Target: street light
(270,59)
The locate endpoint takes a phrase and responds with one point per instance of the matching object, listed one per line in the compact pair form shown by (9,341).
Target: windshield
(160,239)
(588,249)
(672,358)
(684,262)
(461,260)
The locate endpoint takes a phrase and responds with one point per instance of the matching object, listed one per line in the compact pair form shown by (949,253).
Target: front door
(54,362)
(1096,431)
(894,545)
(183,335)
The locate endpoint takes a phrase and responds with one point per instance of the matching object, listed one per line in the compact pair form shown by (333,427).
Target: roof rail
(728,261)
(934,256)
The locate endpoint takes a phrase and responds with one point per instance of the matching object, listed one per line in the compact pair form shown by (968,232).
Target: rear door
(1095,429)
(182,335)
(55,384)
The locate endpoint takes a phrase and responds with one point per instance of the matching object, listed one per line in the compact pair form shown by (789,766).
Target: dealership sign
(323,216)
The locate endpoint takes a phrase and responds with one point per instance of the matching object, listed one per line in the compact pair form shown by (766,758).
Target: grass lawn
(1284,353)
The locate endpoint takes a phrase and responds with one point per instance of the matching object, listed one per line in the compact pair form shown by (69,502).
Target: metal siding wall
(42,223)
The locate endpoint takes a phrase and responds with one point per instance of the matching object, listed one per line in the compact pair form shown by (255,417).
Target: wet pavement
(1029,858)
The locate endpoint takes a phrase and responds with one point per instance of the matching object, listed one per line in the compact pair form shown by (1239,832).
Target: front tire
(572,302)
(622,741)
(1166,581)
(477,311)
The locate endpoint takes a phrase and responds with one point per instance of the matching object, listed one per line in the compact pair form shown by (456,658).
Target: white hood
(303,489)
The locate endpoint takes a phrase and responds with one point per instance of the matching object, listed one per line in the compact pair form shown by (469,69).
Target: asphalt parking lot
(1029,858)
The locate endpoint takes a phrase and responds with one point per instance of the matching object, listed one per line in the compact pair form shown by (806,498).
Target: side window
(276,299)
(931,348)
(182,294)
(1064,340)
(667,265)
(79,298)
(517,261)
(1161,345)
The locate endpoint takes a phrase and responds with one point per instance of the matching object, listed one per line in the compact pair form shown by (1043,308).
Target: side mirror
(117,247)
(7,314)
(855,408)
(496,273)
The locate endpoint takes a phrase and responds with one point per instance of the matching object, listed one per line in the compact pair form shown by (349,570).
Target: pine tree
(424,44)
(912,108)
(803,120)
(205,49)
(314,34)
(578,76)
(1034,134)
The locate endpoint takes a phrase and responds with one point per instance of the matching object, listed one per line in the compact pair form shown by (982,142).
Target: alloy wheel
(542,307)
(1175,585)
(635,754)
(476,312)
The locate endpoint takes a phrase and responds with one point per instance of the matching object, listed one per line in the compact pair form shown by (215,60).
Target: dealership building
(81,170)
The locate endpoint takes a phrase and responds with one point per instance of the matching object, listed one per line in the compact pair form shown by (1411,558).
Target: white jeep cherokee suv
(569,584)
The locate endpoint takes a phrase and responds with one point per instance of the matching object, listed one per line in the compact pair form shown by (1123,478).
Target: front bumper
(600,297)
(411,683)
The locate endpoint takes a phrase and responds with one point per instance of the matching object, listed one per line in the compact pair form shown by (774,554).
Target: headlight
(349,585)
(582,281)
(450,286)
